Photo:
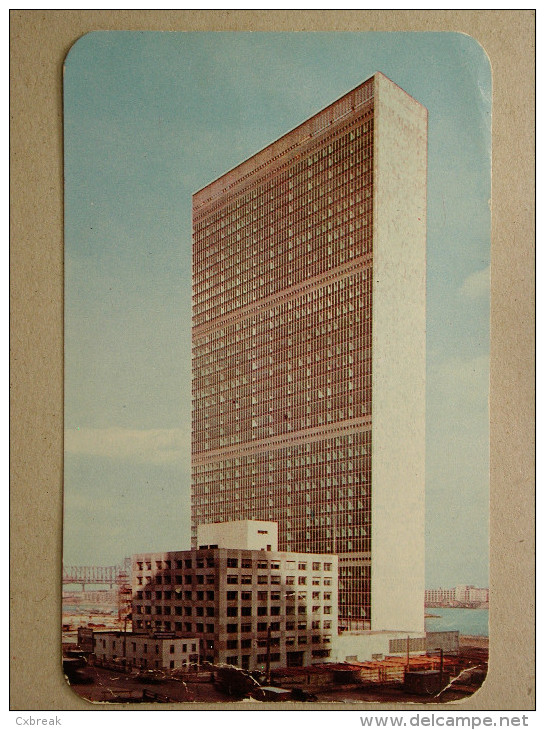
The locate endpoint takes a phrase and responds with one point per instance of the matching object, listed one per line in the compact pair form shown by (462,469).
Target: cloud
(156,446)
(477,284)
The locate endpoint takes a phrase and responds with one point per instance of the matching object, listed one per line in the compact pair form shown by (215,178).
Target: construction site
(435,677)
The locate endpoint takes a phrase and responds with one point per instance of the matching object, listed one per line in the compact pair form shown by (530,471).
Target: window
(316,566)
(232,579)
(262,610)
(246,563)
(172,648)
(302,566)
(246,596)
(302,580)
(246,611)
(232,628)
(246,579)
(232,562)
(327,566)
(262,626)
(262,564)
(327,609)
(232,611)
(232,643)
(232,595)
(261,579)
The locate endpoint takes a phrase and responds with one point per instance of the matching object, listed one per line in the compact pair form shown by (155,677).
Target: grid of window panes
(230,599)
(319,492)
(282,302)
(355,595)
(313,215)
(301,364)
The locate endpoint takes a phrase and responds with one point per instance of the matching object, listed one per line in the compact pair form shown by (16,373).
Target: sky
(149,119)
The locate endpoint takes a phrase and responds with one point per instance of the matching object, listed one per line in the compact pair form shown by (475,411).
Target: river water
(468,621)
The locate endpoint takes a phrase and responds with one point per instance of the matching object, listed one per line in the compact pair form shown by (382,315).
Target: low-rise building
(153,651)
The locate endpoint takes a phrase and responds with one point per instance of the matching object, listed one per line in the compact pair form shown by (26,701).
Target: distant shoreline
(474,606)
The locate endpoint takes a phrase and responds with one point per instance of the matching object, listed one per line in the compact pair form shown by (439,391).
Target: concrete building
(154,651)
(241,604)
(309,286)
(439,595)
(461,595)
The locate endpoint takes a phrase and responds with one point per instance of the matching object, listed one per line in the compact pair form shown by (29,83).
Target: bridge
(96,575)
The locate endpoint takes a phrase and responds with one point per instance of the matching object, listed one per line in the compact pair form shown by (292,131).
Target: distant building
(309,329)
(245,607)
(460,595)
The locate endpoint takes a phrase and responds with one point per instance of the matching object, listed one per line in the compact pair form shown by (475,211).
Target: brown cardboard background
(39,42)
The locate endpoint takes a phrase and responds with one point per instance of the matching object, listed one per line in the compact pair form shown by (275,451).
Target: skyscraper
(309,264)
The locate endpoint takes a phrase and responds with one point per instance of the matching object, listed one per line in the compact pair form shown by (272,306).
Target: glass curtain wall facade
(282,343)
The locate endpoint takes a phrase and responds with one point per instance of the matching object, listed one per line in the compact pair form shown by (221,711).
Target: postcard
(277,341)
